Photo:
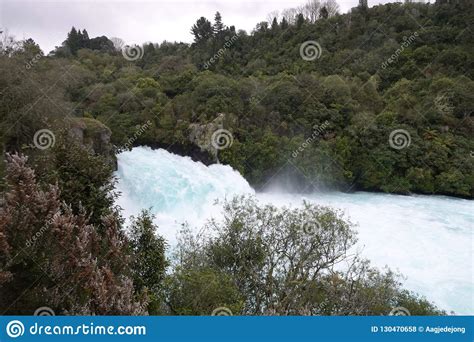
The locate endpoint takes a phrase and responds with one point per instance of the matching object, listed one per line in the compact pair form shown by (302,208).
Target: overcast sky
(135,21)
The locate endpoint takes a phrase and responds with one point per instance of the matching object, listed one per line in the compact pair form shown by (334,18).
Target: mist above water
(429,239)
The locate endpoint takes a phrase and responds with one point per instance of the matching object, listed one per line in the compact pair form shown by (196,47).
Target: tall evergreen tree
(324,13)
(299,20)
(73,41)
(202,30)
(218,25)
(274,24)
(84,40)
(85,35)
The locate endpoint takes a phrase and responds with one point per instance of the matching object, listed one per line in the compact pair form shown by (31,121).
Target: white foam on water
(429,239)
(177,189)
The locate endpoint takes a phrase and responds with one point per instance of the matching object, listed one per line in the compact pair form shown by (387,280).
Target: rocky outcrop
(203,135)
(95,136)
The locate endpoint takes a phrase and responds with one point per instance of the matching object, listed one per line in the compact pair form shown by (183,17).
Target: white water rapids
(429,239)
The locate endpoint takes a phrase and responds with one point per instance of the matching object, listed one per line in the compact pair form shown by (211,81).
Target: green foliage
(200,291)
(51,256)
(148,259)
(260,260)
(275,98)
(84,177)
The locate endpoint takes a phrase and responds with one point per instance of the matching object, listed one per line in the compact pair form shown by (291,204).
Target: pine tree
(218,25)
(274,24)
(85,35)
(202,30)
(73,41)
(299,20)
(324,13)
(149,262)
(84,40)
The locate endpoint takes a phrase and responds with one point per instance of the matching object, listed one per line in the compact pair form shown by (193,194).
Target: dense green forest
(323,117)
(391,67)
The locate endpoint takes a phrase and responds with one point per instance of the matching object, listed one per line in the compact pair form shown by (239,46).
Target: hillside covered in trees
(392,67)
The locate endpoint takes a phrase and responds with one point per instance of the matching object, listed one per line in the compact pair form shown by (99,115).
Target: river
(429,239)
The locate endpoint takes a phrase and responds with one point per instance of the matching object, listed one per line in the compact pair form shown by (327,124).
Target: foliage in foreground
(53,257)
(260,260)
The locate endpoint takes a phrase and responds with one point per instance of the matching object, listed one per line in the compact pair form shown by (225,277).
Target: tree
(311,10)
(56,258)
(85,35)
(332,7)
(149,262)
(299,20)
(202,30)
(84,177)
(31,49)
(324,13)
(73,41)
(274,24)
(218,25)
(281,262)
(8,43)
(84,39)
